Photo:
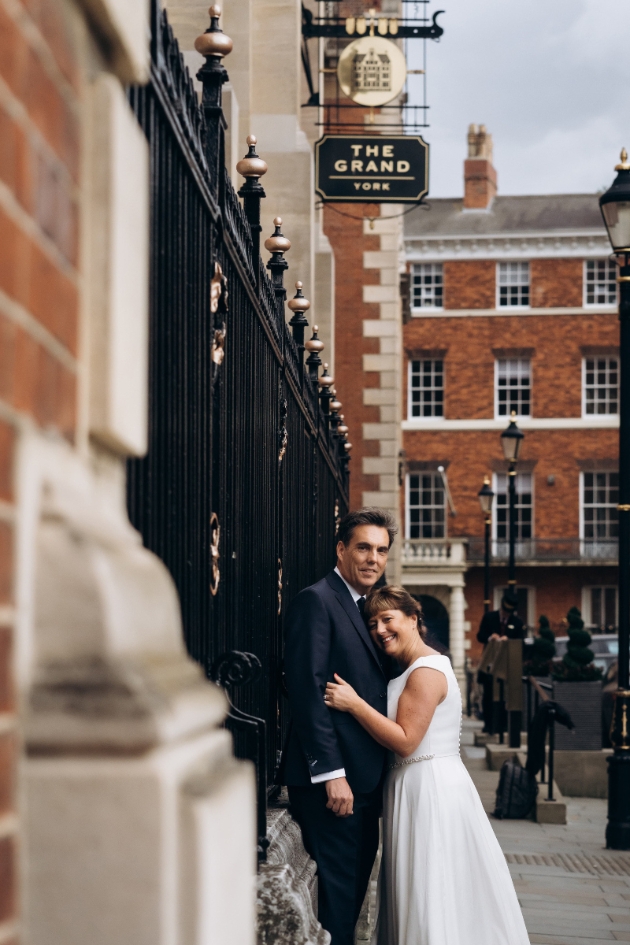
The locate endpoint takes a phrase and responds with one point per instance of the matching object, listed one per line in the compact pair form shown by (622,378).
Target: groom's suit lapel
(345,599)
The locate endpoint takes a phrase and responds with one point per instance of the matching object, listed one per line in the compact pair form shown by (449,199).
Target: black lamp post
(511,440)
(486,495)
(615,207)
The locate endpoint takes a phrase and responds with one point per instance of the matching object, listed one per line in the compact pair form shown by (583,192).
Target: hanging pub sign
(372,168)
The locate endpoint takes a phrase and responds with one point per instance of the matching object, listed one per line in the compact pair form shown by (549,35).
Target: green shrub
(542,651)
(577,662)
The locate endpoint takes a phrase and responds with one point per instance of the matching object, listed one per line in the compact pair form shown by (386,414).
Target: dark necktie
(361,605)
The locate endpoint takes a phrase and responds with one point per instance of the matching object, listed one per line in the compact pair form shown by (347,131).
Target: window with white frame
(599,514)
(513,387)
(600,386)
(426,387)
(600,608)
(600,282)
(513,284)
(426,505)
(427,285)
(524,514)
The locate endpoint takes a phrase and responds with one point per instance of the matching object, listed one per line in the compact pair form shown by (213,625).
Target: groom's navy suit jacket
(326,634)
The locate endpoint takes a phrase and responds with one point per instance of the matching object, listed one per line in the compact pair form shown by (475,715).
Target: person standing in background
(501,624)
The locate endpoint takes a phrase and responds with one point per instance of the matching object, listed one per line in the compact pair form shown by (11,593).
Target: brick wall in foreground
(39,168)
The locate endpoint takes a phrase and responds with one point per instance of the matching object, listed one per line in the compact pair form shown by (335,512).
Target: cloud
(549,80)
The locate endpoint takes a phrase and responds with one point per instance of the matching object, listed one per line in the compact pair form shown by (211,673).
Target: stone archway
(437,622)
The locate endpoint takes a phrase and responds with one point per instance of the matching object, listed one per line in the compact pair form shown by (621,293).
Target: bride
(444,879)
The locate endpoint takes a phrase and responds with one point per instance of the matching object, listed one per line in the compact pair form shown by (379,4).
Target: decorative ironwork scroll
(234,669)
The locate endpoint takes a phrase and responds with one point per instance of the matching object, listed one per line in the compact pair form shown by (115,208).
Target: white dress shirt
(340,772)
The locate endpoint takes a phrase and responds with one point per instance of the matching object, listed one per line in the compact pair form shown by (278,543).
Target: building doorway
(436,621)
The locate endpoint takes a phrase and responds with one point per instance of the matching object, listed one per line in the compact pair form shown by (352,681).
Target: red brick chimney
(480,177)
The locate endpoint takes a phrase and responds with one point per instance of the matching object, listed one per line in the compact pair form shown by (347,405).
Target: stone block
(380,362)
(377,465)
(124,28)
(117,281)
(389,414)
(380,431)
(384,500)
(390,276)
(497,754)
(391,346)
(380,293)
(481,739)
(550,812)
(582,773)
(287,888)
(390,311)
(390,380)
(379,396)
(388,447)
(147,843)
(376,328)
(380,259)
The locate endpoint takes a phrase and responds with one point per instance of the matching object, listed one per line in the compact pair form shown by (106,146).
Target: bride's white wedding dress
(444,879)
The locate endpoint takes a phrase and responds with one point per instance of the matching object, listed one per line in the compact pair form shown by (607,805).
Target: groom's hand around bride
(340,797)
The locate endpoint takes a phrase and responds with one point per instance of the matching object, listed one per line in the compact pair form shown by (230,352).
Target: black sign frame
(397,154)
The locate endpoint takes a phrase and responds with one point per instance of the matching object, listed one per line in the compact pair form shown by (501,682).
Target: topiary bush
(542,650)
(577,662)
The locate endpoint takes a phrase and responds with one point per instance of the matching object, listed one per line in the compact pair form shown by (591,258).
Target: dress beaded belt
(411,761)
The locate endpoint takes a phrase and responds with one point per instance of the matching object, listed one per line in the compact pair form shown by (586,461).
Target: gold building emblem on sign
(372,71)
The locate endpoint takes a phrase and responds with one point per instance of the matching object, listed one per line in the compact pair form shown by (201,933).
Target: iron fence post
(326,381)
(214,45)
(552,745)
(314,347)
(277,244)
(486,565)
(299,305)
(252,168)
(512,526)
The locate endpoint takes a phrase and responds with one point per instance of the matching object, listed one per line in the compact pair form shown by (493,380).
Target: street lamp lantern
(486,495)
(615,207)
(511,440)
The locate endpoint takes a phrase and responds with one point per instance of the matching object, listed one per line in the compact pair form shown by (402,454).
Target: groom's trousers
(344,849)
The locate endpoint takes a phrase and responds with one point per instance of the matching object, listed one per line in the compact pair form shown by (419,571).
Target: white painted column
(457,632)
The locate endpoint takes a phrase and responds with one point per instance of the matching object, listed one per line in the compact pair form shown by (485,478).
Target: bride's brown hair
(393,597)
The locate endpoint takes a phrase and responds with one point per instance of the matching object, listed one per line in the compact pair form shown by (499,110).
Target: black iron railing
(245,476)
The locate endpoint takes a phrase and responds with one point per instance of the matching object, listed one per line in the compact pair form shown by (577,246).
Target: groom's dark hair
(366,516)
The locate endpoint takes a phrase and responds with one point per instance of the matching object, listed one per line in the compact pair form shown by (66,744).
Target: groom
(332,767)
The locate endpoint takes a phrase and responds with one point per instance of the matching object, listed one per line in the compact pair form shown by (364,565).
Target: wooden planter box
(583,702)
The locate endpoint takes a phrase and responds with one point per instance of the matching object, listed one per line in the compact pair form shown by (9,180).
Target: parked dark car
(605,646)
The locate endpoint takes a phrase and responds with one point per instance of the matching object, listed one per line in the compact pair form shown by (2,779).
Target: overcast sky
(550,79)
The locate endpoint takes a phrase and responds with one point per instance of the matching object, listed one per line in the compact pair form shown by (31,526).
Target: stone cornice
(593,243)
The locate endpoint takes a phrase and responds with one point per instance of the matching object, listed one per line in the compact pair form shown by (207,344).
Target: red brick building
(512,307)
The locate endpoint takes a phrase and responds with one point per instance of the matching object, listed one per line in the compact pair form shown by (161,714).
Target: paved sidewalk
(572,890)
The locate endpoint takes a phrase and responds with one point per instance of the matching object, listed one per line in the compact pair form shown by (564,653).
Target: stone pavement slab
(571,889)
